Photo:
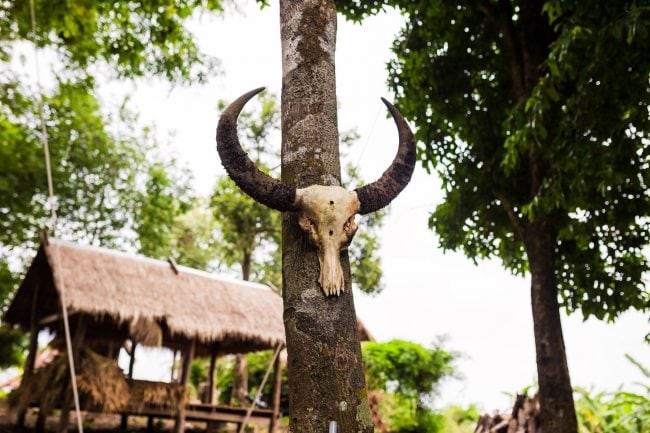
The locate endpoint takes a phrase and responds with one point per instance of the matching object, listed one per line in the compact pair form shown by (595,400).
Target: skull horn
(260,186)
(380,193)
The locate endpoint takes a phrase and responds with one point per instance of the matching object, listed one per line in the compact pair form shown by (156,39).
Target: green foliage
(617,412)
(246,227)
(163,200)
(249,234)
(534,113)
(132,38)
(198,372)
(194,242)
(365,262)
(13,345)
(8,282)
(98,164)
(408,375)
(459,419)
(410,368)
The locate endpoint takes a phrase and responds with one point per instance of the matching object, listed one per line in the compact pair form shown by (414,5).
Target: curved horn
(260,186)
(380,193)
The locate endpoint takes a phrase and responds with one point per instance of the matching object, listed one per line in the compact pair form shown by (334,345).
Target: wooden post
(30,362)
(179,422)
(276,393)
(77,341)
(172,378)
(211,378)
(134,345)
(124,419)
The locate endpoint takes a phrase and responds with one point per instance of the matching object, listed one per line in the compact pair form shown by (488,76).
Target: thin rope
(53,222)
(259,390)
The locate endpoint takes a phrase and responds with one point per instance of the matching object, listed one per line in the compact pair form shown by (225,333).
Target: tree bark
(211,379)
(240,380)
(326,379)
(555,392)
(240,376)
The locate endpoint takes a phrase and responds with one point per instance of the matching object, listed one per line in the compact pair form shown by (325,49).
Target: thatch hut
(114,297)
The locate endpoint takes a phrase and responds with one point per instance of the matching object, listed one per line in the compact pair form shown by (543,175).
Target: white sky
(481,311)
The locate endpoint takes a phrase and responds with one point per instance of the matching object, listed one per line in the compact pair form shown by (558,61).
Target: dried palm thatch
(167,396)
(101,384)
(145,331)
(189,304)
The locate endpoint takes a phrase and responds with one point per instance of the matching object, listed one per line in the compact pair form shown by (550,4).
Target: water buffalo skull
(326,213)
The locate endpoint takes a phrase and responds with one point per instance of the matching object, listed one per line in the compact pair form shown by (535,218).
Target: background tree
(132,39)
(535,115)
(94,165)
(407,374)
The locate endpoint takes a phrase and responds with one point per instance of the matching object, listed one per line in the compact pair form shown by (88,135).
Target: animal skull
(326,213)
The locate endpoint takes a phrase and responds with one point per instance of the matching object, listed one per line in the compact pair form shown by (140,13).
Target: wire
(53,222)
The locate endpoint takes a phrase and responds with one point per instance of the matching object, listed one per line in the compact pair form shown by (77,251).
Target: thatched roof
(119,288)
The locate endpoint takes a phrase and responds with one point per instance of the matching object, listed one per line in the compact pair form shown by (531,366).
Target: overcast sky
(481,312)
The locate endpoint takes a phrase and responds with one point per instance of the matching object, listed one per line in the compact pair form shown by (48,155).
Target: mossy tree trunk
(326,380)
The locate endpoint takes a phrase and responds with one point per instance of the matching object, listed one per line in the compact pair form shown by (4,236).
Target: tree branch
(512,215)
(502,17)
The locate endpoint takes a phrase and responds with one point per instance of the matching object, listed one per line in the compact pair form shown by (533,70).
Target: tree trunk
(211,381)
(240,380)
(555,392)
(326,379)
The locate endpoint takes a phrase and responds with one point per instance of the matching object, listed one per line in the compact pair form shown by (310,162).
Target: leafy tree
(132,38)
(535,115)
(163,200)
(408,375)
(13,345)
(194,242)
(249,233)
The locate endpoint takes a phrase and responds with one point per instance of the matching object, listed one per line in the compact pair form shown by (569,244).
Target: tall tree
(132,38)
(326,381)
(535,115)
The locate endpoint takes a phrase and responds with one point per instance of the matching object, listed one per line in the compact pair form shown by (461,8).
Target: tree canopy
(407,374)
(535,116)
(131,38)
(545,121)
